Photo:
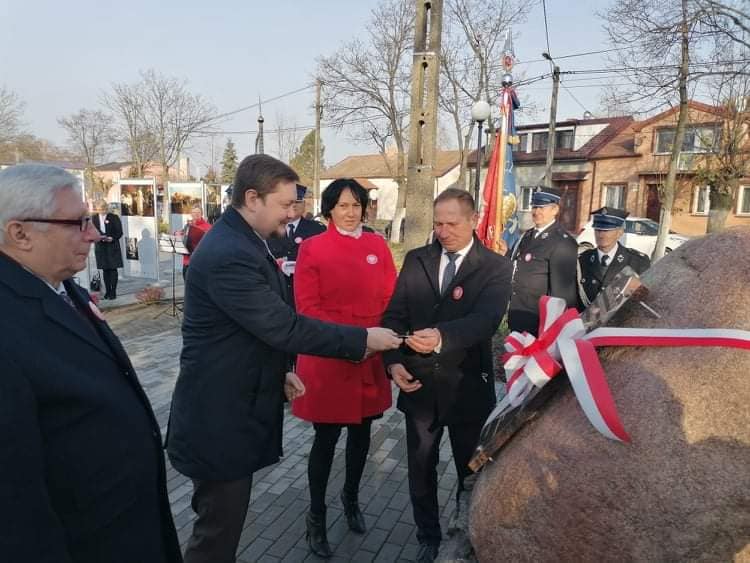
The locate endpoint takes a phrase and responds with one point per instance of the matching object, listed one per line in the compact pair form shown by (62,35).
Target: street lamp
(480,112)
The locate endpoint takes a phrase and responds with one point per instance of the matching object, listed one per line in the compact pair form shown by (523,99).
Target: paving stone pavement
(275,525)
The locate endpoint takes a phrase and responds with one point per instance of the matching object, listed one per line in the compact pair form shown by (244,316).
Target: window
(664,140)
(701,201)
(613,195)
(698,138)
(564,139)
(743,200)
(522,145)
(539,141)
(526,198)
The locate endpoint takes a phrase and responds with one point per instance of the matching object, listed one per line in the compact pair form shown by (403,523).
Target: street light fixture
(480,112)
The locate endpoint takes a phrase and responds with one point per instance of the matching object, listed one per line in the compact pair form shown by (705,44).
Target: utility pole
(423,122)
(551,138)
(316,149)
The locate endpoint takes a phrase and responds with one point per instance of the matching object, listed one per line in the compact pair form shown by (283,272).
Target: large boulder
(680,491)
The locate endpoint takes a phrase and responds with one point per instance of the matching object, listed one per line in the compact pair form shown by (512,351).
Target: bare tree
(11,113)
(655,42)
(665,49)
(473,40)
(728,158)
(173,115)
(128,105)
(90,134)
(366,88)
(287,136)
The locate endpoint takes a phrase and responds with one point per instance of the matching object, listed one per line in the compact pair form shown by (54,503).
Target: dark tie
(291,230)
(605,259)
(450,271)
(67,299)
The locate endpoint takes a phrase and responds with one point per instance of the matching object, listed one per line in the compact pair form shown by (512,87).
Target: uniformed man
(544,263)
(285,248)
(601,264)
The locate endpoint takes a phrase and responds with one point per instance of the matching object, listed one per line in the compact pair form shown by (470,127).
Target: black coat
(238,331)
(108,254)
(82,476)
(286,247)
(458,382)
(594,278)
(545,265)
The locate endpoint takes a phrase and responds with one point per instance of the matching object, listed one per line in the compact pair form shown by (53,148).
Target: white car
(640,234)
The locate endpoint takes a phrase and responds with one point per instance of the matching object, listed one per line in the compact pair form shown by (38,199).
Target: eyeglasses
(82,223)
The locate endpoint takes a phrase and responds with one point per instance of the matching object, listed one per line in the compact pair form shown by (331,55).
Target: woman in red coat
(343,275)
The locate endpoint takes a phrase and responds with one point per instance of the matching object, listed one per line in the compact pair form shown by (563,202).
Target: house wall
(649,168)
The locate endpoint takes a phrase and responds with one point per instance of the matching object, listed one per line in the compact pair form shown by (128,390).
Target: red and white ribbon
(563,344)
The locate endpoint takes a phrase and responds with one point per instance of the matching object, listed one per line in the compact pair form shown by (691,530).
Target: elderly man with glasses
(82,475)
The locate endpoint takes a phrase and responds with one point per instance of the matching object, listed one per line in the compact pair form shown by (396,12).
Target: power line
(269,100)
(574,98)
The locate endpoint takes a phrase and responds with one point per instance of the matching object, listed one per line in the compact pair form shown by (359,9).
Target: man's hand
(293,386)
(380,339)
(404,379)
(424,341)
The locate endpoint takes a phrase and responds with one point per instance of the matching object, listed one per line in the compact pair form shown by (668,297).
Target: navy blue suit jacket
(82,476)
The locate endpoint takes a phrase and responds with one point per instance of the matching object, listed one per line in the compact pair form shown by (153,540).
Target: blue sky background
(60,56)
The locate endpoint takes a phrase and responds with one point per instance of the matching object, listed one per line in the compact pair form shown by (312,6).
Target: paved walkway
(275,525)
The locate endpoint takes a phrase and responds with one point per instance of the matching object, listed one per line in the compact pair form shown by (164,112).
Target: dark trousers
(110,282)
(423,447)
(221,507)
(321,458)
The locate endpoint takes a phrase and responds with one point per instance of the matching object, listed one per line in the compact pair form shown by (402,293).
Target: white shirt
(294,223)
(102,223)
(611,255)
(459,259)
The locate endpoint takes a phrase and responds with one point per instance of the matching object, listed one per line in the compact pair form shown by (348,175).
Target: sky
(60,56)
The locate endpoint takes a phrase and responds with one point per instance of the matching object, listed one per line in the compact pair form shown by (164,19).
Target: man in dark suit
(238,332)
(82,476)
(600,265)
(450,297)
(544,263)
(298,228)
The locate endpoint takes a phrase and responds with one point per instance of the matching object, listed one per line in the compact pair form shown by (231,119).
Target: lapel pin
(372,259)
(458,292)
(620,258)
(545,235)
(527,257)
(593,258)
(297,240)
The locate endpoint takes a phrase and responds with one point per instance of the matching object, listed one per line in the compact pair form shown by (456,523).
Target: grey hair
(29,190)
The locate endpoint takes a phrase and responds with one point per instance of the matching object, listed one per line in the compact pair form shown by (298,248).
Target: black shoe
(316,535)
(353,515)
(427,553)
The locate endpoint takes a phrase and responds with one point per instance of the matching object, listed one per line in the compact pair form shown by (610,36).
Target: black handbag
(96,282)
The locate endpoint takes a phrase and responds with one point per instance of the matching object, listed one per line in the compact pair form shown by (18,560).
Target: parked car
(640,234)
